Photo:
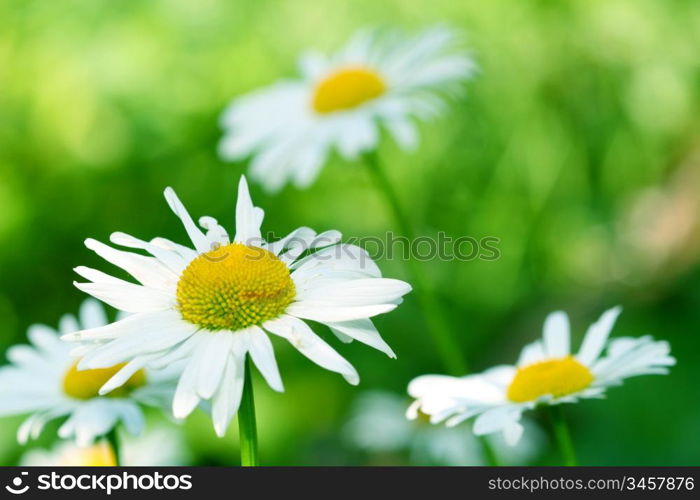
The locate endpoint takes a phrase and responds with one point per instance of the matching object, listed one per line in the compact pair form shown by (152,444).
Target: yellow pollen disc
(233,287)
(85,384)
(346,89)
(555,377)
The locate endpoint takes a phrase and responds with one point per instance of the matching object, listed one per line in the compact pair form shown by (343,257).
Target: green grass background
(583,111)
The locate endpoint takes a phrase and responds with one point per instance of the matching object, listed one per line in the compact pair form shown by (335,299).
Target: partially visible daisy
(68,454)
(212,305)
(378,426)
(44,380)
(379,80)
(160,447)
(546,373)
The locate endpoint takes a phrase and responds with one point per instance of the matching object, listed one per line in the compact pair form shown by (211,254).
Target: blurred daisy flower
(68,454)
(546,373)
(160,447)
(44,380)
(340,102)
(378,426)
(212,305)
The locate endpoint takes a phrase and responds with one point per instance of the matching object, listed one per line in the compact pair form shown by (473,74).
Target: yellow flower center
(233,287)
(346,89)
(555,377)
(98,455)
(85,384)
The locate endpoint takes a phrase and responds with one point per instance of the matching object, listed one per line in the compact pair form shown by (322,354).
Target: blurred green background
(577,146)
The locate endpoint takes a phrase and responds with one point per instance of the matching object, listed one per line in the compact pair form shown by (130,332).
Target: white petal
(357,292)
(211,357)
(557,337)
(247,221)
(597,336)
(363,331)
(532,353)
(92,314)
(310,345)
(147,270)
(496,419)
(228,398)
(201,243)
(263,355)
(145,324)
(324,313)
(171,258)
(122,294)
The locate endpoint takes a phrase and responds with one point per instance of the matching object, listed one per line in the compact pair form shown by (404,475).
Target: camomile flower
(159,447)
(379,80)
(211,305)
(44,380)
(546,373)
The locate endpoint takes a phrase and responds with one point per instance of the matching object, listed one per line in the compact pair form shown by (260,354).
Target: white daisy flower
(160,447)
(211,305)
(377,425)
(44,380)
(546,373)
(340,101)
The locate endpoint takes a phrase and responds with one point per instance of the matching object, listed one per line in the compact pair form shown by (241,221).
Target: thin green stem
(445,341)
(247,427)
(489,453)
(562,435)
(112,438)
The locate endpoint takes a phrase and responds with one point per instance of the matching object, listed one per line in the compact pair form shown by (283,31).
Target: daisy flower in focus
(212,305)
(160,447)
(378,426)
(546,373)
(43,379)
(379,80)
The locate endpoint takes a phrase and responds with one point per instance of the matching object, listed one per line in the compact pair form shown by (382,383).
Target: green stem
(246,422)
(489,453)
(112,438)
(445,341)
(562,434)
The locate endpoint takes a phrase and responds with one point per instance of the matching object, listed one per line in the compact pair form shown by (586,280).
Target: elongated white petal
(169,257)
(557,336)
(247,221)
(597,335)
(186,254)
(186,397)
(143,324)
(147,270)
(359,292)
(121,377)
(228,398)
(363,331)
(122,294)
(211,357)
(323,313)
(263,355)
(310,345)
(496,419)
(199,240)
(532,353)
